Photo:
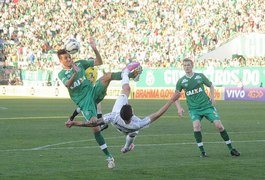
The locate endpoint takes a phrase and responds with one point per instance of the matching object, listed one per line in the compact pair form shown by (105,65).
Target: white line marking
(3,108)
(119,137)
(56,117)
(51,117)
(92,147)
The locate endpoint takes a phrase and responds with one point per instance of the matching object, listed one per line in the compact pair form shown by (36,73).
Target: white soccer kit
(115,119)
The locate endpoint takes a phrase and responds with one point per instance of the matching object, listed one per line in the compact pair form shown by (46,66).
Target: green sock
(226,138)
(99,115)
(116,76)
(198,138)
(131,75)
(100,140)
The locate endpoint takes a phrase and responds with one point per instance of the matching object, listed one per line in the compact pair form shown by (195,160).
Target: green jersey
(81,85)
(196,97)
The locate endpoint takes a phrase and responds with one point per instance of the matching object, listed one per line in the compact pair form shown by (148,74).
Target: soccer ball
(72,45)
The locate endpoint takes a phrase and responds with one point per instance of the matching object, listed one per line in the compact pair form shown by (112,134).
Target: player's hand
(181,112)
(75,67)
(69,123)
(92,43)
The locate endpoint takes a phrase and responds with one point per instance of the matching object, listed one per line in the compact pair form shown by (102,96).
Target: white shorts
(120,101)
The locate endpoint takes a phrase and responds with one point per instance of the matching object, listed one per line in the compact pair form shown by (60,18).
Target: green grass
(35,144)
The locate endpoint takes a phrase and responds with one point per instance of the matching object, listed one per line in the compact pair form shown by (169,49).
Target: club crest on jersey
(198,77)
(68,74)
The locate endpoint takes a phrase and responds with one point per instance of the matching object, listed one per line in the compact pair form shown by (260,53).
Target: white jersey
(115,119)
(136,123)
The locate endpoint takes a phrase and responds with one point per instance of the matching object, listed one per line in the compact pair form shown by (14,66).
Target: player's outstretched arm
(91,123)
(163,109)
(212,94)
(98,60)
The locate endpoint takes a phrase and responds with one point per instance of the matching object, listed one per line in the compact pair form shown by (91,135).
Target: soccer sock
(116,76)
(99,115)
(103,146)
(227,140)
(125,78)
(131,75)
(75,113)
(198,138)
(129,141)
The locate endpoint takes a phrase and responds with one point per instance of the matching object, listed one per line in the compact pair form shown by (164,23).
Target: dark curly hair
(126,113)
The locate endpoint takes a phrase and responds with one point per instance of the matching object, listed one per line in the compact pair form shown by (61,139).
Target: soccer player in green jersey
(84,93)
(200,105)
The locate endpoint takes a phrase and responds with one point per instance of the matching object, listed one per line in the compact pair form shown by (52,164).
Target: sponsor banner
(221,77)
(113,91)
(153,93)
(34,91)
(218,93)
(166,93)
(245,94)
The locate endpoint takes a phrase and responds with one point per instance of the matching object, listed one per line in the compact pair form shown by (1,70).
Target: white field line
(56,117)
(121,137)
(50,147)
(51,117)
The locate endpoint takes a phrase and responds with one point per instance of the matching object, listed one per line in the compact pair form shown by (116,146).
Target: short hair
(61,51)
(188,60)
(126,112)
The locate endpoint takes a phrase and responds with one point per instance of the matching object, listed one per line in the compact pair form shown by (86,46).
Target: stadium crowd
(157,33)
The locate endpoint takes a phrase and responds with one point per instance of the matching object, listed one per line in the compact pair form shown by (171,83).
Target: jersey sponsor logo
(78,82)
(194,91)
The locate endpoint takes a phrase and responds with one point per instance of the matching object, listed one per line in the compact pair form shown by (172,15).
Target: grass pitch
(35,144)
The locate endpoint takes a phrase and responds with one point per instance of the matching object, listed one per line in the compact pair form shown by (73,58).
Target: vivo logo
(235,93)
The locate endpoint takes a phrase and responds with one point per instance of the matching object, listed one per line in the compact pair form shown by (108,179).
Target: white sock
(78,110)
(129,141)
(125,77)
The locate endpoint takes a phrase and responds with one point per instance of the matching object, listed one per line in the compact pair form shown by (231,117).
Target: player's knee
(219,126)
(196,126)
(105,79)
(126,88)
(96,129)
(133,135)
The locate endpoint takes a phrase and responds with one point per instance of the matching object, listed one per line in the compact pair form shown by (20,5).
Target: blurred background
(225,39)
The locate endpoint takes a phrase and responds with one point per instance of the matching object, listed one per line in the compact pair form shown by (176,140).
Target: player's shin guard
(100,140)
(227,140)
(129,141)
(198,138)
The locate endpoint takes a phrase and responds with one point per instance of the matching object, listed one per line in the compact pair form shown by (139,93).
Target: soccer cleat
(132,66)
(125,150)
(103,127)
(203,155)
(111,163)
(235,152)
(137,72)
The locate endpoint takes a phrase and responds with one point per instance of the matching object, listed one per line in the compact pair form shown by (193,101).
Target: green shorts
(209,113)
(89,103)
